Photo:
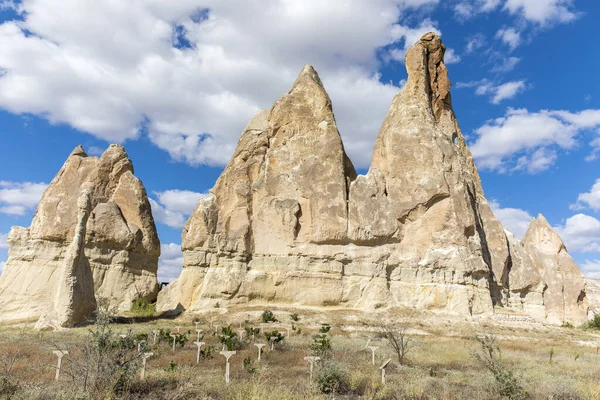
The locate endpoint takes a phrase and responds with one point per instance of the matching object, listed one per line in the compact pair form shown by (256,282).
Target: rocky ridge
(92,236)
(289,221)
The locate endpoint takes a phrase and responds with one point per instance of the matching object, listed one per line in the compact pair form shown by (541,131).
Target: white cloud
(2,264)
(193,78)
(408,36)
(540,160)
(522,133)
(16,198)
(475,42)
(450,57)
(469,8)
(183,201)
(580,233)
(542,12)
(3,244)
(507,90)
(170,262)
(94,151)
(496,93)
(174,206)
(591,269)
(589,199)
(514,219)
(510,37)
(165,216)
(507,64)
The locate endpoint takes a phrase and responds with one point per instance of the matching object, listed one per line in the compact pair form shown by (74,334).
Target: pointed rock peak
(115,151)
(308,80)
(78,151)
(542,236)
(427,72)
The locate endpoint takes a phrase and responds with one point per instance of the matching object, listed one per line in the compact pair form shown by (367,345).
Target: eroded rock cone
(120,243)
(290,222)
(565,297)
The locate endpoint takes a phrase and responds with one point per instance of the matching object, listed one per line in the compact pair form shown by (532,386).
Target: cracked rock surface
(290,222)
(111,244)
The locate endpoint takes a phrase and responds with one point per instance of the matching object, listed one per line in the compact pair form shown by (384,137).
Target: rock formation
(593,295)
(114,239)
(290,222)
(565,297)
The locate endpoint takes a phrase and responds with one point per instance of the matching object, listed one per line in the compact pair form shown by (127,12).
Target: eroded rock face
(565,297)
(593,294)
(119,239)
(290,222)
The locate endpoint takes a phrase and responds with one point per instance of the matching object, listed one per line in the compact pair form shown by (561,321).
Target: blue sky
(176,83)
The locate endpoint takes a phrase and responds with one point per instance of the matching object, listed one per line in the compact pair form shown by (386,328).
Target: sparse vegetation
(267,316)
(490,357)
(594,323)
(399,339)
(321,342)
(141,307)
(440,367)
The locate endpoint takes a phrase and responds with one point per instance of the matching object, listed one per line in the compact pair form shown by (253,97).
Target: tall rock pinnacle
(106,239)
(290,222)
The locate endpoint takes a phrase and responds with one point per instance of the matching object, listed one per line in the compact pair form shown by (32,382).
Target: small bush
(229,338)
(332,379)
(267,316)
(249,365)
(278,336)
(567,325)
(294,317)
(321,344)
(489,356)
(594,323)
(143,308)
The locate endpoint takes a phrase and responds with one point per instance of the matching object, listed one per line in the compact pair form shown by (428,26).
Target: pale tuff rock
(593,294)
(74,299)
(120,243)
(565,298)
(290,222)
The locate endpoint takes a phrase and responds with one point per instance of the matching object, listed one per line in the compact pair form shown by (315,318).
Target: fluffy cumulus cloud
(515,220)
(190,73)
(496,92)
(542,12)
(589,199)
(591,268)
(510,37)
(528,140)
(581,233)
(174,206)
(18,198)
(507,64)
(466,9)
(170,262)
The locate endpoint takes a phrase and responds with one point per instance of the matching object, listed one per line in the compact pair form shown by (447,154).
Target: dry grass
(440,367)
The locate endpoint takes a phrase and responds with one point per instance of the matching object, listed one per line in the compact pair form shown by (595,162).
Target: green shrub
(594,323)
(274,334)
(229,338)
(267,316)
(489,356)
(332,379)
(294,317)
(143,308)
(249,365)
(251,331)
(321,344)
